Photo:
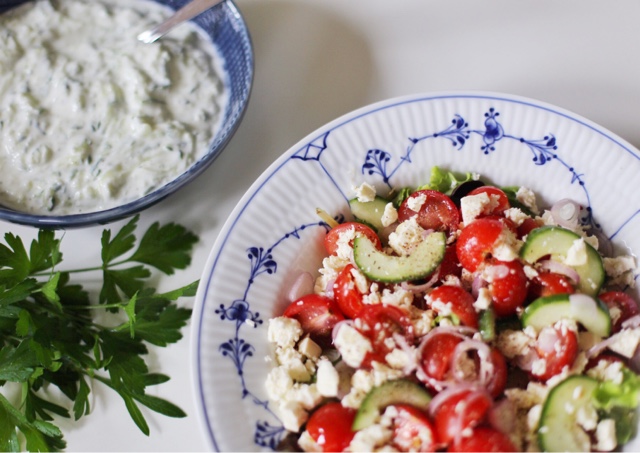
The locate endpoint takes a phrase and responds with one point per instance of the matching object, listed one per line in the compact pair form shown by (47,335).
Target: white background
(319,59)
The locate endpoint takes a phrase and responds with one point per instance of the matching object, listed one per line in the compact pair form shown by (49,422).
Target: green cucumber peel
(380,267)
(590,312)
(400,391)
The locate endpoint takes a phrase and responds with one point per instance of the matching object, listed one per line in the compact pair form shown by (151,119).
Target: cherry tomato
(346,293)
(557,347)
(317,315)
(498,381)
(412,430)
(548,284)
(508,223)
(435,358)
(527,226)
(379,323)
(501,201)
(606,356)
(330,426)
(450,264)
(332,237)
(476,241)
(437,212)
(508,287)
(619,302)
(458,300)
(435,363)
(460,411)
(486,439)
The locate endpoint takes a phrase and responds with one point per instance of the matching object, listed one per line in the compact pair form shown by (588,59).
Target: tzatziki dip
(90,118)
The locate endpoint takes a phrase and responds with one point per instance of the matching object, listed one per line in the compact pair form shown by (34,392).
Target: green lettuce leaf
(626,394)
(445,181)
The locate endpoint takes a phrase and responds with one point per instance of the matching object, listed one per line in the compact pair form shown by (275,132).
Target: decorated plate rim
(204,413)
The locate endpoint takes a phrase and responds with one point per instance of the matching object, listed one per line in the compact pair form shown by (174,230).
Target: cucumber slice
(380,267)
(369,212)
(556,242)
(591,312)
(558,429)
(400,391)
(487,324)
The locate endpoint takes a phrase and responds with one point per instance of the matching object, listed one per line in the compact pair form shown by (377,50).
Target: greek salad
(457,316)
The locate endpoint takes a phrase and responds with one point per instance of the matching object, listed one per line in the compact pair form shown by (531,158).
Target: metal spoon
(188,11)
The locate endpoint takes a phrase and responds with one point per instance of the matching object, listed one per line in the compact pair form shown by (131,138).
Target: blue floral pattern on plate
(482,137)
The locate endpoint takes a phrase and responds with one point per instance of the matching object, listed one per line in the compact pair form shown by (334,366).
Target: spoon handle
(188,11)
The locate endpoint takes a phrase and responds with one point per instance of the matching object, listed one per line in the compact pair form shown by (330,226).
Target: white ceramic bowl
(273,234)
(227,29)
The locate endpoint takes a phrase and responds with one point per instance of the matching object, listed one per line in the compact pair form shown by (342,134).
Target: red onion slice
(449,392)
(462,410)
(566,213)
(485,372)
(460,331)
(486,368)
(328,291)
(547,340)
(302,286)
(334,332)
(496,271)
(595,351)
(525,362)
(402,343)
(632,322)
(477,284)
(426,233)
(605,246)
(420,288)
(634,361)
(560,268)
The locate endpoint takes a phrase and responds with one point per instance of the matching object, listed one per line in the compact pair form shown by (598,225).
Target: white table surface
(319,59)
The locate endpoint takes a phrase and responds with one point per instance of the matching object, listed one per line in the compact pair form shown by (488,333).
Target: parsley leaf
(55,333)
(165,248)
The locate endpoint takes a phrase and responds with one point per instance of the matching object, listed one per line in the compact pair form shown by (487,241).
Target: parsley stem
(94,307)
(84,269)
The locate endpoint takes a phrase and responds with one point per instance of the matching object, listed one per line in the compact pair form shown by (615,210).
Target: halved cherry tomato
(346,293)
(508,287)
(317,315)
(458,300)
(494,193)
(623,303)
(557,347)
(486,439)
(435,363)
(332,237)
(330,426)
(550,283)
(476,241)
(412,430)
(437,212)
(460,411)
(379,323)
(435,358)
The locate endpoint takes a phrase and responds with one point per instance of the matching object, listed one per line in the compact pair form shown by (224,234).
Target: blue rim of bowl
(233,118)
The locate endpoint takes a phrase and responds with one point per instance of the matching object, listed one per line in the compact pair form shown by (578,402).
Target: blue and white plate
(274,233)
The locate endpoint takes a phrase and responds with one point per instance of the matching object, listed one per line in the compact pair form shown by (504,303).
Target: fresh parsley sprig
(55,333)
